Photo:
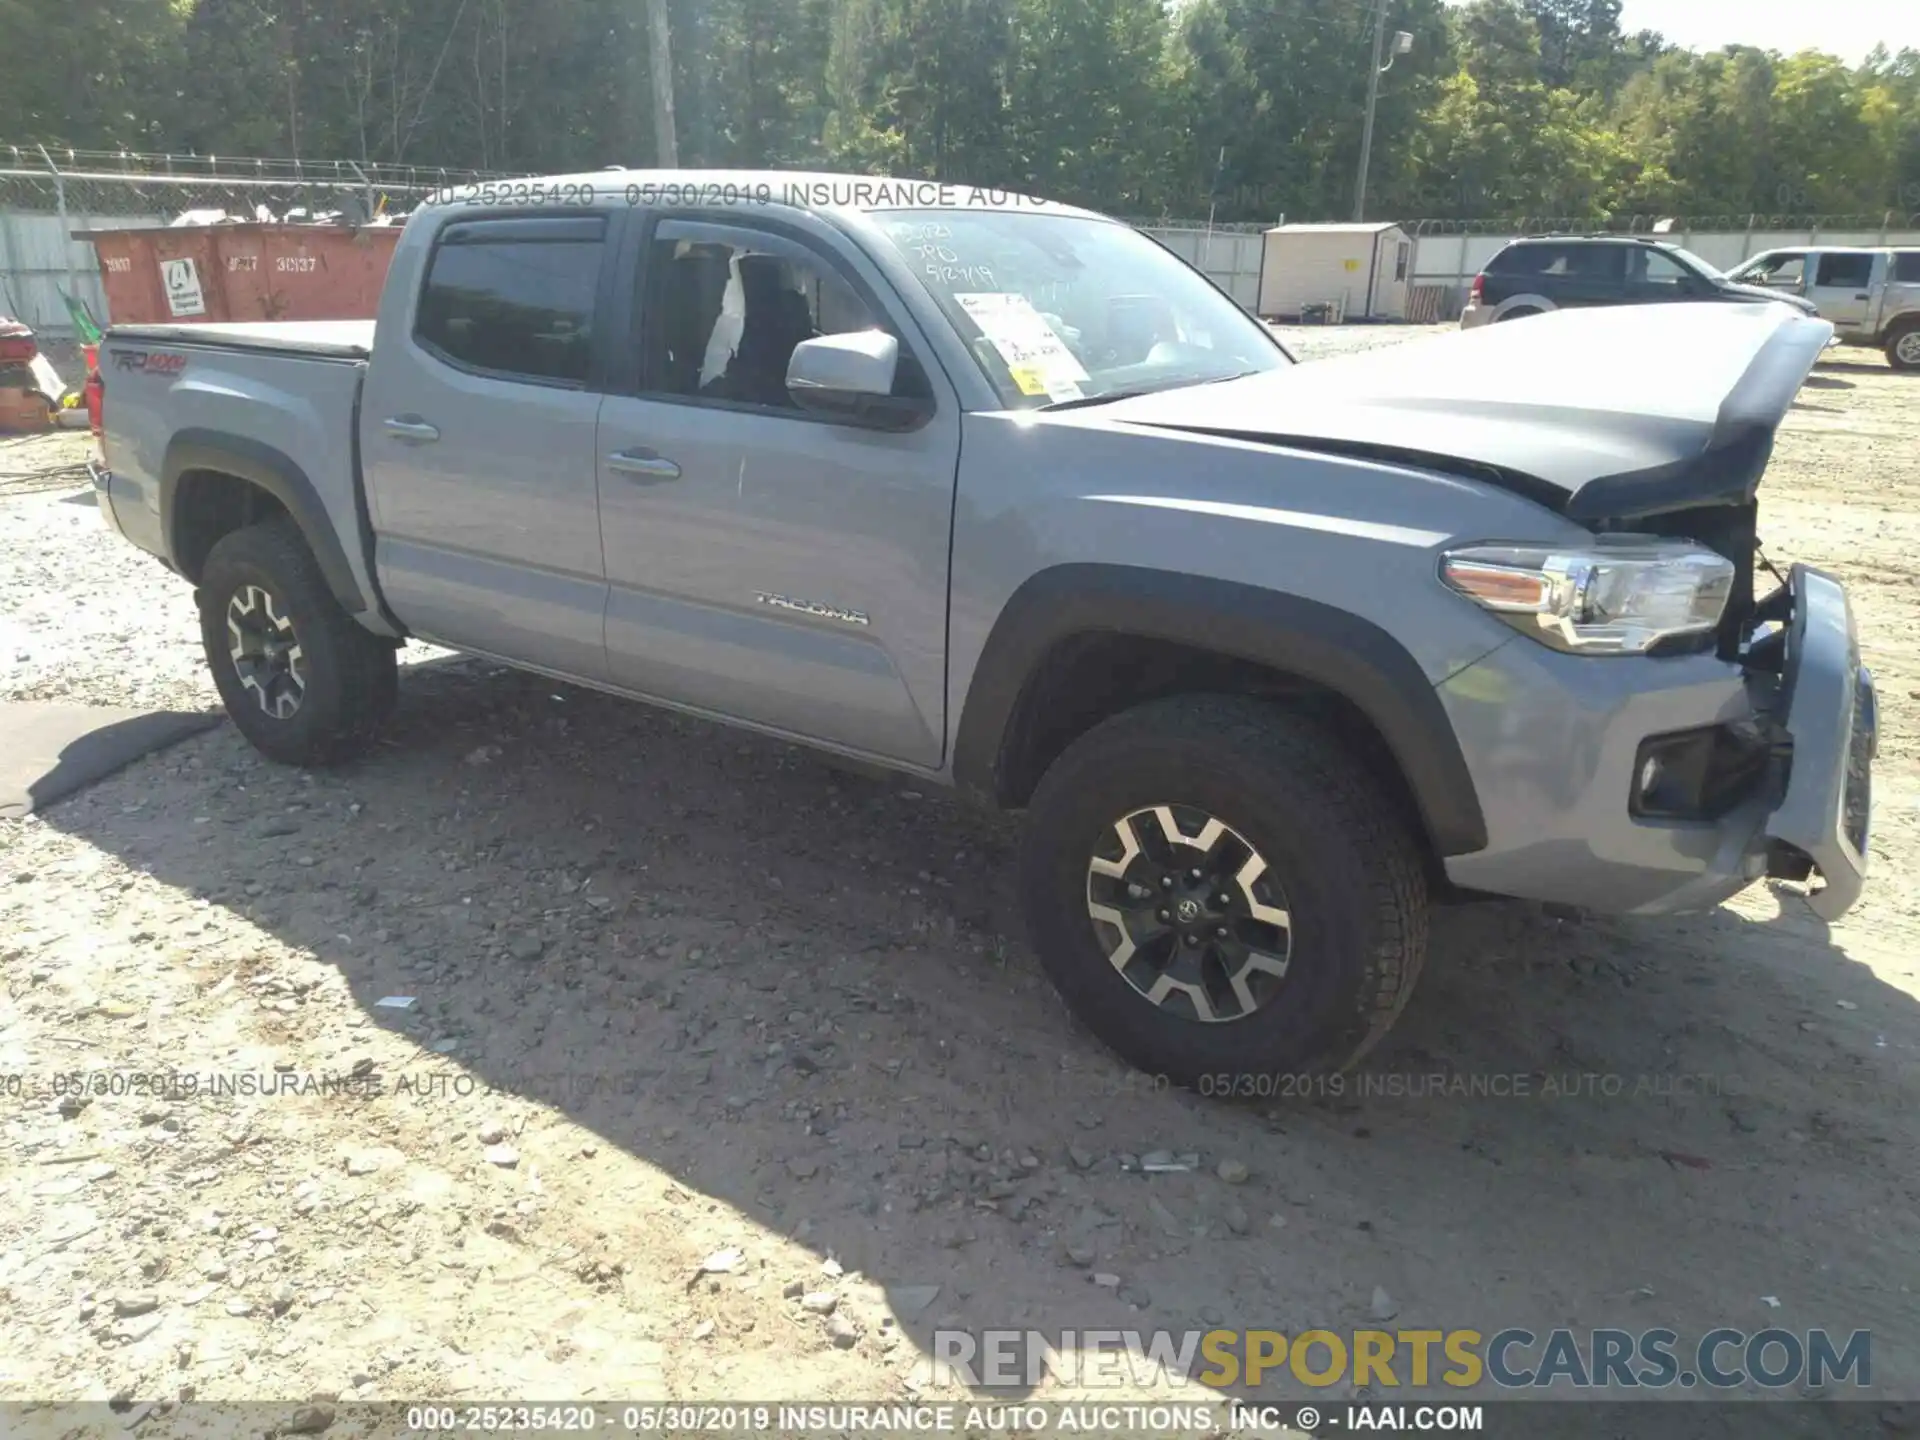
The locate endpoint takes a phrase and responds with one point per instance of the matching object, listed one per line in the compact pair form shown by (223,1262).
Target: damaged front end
(1823,714)
(1805,757)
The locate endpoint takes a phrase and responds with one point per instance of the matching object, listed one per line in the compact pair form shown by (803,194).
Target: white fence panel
(39,259)
(1229,258)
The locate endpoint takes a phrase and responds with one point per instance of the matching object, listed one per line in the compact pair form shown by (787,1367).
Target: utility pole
(659,47)
(1374,72)
(1402,45)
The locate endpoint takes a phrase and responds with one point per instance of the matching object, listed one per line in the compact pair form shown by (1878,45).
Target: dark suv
(1564,272)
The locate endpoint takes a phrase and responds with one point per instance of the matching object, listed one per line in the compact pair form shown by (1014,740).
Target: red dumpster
(254,271)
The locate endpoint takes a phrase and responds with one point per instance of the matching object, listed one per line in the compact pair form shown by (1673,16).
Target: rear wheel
(1520,313)
(1223,894)
(301,680)
(1903,348)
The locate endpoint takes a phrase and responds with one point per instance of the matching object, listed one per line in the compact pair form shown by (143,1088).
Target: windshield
(1687,257)
(1061,308)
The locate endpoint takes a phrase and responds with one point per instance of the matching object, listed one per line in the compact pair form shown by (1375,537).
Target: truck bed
(330,339)
(274,404)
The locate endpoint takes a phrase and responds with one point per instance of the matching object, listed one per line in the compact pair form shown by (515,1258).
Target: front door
(764,563)
(1655,277)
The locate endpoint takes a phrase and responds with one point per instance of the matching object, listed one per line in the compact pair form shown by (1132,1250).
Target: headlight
(1620,595)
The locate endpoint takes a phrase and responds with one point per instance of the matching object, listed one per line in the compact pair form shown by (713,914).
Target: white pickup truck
(1872,297)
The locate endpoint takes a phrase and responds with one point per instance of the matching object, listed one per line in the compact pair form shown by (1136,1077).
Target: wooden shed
(1336,272)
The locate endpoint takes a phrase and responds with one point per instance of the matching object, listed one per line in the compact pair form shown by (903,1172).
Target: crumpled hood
(1604,413)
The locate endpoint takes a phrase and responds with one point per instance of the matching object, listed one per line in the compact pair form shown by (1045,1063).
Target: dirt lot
(677,991)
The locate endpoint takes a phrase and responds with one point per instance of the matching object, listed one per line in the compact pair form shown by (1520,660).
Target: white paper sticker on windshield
(1036,356)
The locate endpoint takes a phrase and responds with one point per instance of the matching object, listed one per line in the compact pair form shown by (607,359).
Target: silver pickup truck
(1871,296)
(1002,495)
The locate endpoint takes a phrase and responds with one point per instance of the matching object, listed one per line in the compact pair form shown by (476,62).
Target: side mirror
(851,377)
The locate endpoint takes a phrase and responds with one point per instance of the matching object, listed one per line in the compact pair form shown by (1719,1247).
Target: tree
(1246,109)
(90,74)
(1086,101)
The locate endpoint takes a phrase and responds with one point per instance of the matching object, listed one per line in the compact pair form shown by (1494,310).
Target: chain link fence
(46,195)
(1887,223)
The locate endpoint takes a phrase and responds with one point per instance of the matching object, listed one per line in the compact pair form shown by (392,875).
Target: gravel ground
(677,993)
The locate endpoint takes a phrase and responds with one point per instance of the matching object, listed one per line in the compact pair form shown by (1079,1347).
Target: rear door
(765,563)
(1595,274)
(1842,286)
(1572,274)
(477,441)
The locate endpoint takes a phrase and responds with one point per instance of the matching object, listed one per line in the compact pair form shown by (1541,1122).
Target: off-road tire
(1344,850)
(1903,347)
(351,676)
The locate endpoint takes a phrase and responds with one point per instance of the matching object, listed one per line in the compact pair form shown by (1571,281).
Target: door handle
(1864,295)
(412,430)
(643,465)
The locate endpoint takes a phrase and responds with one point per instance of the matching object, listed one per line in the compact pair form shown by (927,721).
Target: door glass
(1597,262)
(1529,260)
(1906,268)
(1845,271)
(1665,271)
(723,319)
(1780,271)
(512,303)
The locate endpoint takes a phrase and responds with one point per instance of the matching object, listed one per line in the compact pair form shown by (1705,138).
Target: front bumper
(1827,706)
(1552,741)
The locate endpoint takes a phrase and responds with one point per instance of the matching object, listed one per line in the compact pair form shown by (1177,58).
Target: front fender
(1330,647)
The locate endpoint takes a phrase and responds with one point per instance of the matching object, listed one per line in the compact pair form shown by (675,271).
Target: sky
(1847,28)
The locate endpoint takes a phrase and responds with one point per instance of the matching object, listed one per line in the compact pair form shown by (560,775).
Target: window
(1906,267)
(1845,271)
(1400,265)
(1059,308)
(1576,262)
(1778,270)
(514,297)
(1663,269)
(723,317)
(1530,260)
(1596,262)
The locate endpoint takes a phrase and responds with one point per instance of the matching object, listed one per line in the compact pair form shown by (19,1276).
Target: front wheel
(1223,894)
(300,679)
(1903,349)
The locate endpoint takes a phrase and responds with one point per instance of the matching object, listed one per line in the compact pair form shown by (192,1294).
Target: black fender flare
(274,472)
(1327,646)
